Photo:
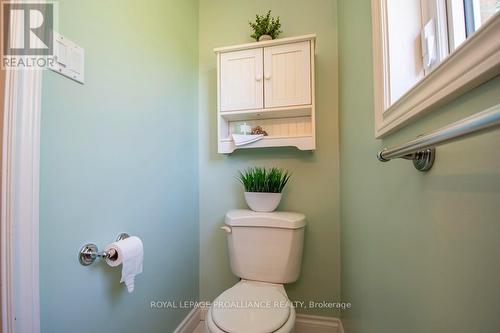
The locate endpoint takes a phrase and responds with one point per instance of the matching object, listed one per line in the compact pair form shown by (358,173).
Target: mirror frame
(474,62)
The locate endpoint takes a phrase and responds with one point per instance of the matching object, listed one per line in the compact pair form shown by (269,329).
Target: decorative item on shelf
(245,139)
(245,129)
(246,135)
(263,187)
(257,130)
(265,27)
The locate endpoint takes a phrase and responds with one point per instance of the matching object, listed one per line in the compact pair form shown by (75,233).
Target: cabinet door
(241,86)
(287,73)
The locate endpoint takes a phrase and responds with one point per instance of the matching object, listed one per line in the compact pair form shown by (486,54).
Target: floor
(200,327)
(304,327)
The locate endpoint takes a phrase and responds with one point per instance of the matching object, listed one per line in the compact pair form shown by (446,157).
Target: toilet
(265,252)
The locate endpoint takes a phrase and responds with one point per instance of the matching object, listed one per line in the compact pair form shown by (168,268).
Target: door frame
(19,235)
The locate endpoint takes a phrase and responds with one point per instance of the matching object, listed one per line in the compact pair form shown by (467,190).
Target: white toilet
(265,250)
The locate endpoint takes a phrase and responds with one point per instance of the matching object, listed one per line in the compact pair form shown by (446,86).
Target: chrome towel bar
(421,150)
(89,252)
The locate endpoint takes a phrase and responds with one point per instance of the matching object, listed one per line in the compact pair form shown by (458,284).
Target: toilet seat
(252,307)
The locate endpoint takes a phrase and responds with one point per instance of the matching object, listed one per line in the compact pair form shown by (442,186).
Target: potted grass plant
(263,187)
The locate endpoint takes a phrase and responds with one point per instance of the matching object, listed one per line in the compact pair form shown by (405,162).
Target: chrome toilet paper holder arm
(89,252)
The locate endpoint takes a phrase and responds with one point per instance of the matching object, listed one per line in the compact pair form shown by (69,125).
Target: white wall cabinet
(269,84)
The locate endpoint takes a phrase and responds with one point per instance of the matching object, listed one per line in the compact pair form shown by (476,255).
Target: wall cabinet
(270,84)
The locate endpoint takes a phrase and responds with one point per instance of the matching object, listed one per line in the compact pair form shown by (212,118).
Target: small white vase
(265,37)
(262,202)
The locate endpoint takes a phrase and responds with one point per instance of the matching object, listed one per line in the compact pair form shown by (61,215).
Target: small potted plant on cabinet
(263,187)
(265,27)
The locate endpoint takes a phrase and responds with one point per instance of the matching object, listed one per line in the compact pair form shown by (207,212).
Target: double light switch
(69,58)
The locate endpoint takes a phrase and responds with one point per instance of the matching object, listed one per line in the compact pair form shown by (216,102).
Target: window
(454,40)
(477,12)
(464,17)
(448,23)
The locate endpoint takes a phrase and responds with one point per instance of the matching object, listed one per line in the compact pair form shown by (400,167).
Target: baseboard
(189,324)
(303,323)
(203,312)
(317,324)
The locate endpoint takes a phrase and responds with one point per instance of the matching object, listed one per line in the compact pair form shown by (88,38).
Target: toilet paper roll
(117,258)
(130,255)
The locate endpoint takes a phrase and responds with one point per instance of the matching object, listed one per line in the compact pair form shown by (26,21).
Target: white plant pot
(262,202)
(265,37)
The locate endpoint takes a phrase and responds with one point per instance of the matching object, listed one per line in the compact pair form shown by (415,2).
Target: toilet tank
(265,246)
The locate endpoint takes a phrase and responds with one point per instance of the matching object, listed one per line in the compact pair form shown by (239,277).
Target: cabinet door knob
(268,77)
(258,78)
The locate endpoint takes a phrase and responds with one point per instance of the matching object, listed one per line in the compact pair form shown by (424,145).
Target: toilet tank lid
(249,218)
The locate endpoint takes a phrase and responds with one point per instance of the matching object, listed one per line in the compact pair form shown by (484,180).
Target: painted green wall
(314,189)
(120,154)
(419,251)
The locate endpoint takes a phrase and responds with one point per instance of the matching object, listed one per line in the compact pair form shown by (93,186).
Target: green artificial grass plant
(260,179)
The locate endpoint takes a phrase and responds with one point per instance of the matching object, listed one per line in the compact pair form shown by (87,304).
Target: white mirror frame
(476,61)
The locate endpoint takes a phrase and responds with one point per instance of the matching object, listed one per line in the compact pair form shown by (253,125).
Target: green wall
(120,154)
(419,251)
(314,189)
(134,149)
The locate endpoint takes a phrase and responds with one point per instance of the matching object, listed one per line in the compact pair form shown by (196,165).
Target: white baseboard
(317,324)
(189,324)
(303,323)
(203,312)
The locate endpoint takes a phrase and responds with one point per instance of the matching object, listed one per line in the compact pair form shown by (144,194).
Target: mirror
(428,51)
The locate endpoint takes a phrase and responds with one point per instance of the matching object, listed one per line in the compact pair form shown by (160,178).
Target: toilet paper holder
(89,252)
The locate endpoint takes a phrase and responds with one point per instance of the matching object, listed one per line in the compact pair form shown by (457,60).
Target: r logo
(35,20)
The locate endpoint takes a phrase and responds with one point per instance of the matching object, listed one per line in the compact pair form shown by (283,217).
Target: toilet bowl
(265,251)
(251,307)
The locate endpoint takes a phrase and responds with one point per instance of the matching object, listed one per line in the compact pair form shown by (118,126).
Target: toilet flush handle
(226,229)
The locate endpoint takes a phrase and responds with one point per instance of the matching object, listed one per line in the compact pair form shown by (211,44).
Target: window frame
(457,32)
(474,62)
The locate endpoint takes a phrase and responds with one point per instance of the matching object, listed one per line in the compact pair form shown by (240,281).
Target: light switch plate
(69,59)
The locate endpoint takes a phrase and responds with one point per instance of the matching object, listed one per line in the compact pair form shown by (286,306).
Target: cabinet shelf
(270,138)
(227,146)
(269,113)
